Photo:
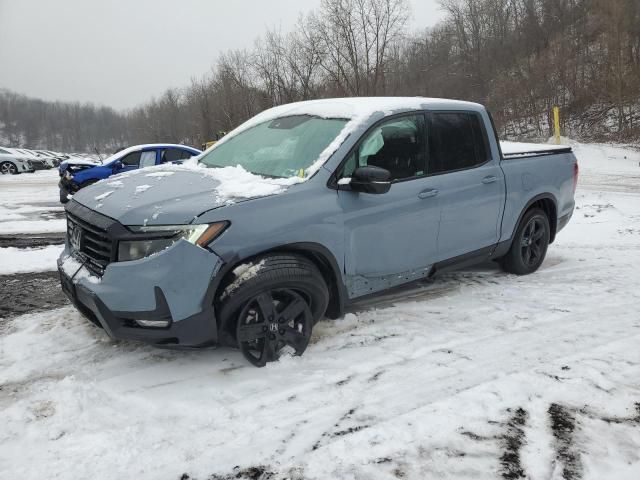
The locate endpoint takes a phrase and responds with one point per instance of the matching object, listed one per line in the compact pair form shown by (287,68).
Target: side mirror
(117,165)
(370,180)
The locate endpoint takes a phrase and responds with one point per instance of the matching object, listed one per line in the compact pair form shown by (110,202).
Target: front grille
(91,243)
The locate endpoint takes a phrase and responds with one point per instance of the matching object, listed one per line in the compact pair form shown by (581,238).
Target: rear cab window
(457,141)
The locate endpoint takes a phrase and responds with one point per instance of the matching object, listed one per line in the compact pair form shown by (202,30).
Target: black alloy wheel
(273,322)
(529,246)
(532,243)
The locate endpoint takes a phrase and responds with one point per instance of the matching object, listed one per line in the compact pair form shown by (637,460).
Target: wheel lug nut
(264,329)
(282,331)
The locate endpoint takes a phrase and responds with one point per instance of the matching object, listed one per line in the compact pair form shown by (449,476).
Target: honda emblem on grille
(75,237)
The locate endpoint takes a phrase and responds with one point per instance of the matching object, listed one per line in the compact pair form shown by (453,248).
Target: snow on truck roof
(358,107)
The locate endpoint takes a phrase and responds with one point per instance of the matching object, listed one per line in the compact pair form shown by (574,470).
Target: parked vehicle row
(21,160)
(373,193)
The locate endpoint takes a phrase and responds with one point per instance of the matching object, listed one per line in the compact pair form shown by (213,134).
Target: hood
(174,195)
(78,161)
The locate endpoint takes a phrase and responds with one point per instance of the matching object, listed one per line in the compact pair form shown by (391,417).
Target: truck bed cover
(516,149)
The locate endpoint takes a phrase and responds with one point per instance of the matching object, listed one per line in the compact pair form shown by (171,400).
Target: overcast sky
(122,52)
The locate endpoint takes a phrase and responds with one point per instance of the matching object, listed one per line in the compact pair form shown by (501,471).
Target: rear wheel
(8,168)
(530,243)
(271,305)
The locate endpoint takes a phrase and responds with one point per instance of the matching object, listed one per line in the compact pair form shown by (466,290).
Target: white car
(37,160)
(13,162)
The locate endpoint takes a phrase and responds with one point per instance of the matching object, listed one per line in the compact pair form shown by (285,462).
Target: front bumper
(175,285)
(67,187)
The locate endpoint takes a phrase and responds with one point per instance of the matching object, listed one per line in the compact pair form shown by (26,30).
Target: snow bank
(28,203)
(22,260)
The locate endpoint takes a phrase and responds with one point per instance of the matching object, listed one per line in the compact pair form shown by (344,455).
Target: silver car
(14,162)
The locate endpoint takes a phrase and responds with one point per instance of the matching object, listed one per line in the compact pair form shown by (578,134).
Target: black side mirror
(370,180)
(117,165)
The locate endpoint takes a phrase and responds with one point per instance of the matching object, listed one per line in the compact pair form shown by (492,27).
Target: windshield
(284,147)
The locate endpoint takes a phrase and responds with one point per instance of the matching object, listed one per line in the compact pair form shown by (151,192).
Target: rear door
(390,238)
(470,183)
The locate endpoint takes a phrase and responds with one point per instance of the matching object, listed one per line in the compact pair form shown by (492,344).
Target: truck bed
(511,150)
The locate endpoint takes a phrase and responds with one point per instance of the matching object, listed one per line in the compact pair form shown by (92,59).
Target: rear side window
(131,160)
(174,154)
(456,142)
(3,151)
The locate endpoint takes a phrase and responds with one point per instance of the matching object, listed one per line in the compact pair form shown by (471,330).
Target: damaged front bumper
(172,290)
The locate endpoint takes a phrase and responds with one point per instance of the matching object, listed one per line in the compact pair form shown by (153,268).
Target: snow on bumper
(173,285)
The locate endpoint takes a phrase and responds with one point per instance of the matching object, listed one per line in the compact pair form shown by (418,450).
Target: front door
(390,238)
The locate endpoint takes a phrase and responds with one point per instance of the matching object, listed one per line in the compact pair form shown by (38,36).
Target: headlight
(161,237)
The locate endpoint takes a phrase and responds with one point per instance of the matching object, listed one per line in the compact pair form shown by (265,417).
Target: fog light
(153,323)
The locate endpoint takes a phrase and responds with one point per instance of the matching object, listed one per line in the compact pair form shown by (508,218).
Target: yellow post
(556,124)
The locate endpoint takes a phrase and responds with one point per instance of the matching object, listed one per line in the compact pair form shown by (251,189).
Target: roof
(354,107)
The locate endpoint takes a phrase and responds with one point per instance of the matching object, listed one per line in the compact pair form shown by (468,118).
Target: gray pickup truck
(302,210)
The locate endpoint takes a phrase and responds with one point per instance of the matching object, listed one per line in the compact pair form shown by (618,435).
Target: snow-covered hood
(175,194)
(78,161)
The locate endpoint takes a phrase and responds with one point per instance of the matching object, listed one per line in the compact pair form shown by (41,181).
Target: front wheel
(271,304)
(8,168)
(530,243)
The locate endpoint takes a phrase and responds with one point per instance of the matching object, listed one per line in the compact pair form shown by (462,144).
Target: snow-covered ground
(477,375)
(29,203)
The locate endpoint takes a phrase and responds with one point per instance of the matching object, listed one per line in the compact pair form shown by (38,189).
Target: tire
(63,196)
(8,168)
(530,243)
(271,304)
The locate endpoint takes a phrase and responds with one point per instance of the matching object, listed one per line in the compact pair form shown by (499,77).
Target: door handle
(490,179)
(432,192)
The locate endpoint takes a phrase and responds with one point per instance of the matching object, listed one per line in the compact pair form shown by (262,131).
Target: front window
(284,147)
(397,145)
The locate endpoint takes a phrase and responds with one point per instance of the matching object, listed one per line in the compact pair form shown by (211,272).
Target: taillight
(576,170)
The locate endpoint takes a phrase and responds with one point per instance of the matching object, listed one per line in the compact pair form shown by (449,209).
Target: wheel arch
(546,202)
(318,254)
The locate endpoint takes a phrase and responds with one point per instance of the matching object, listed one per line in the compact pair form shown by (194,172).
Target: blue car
(77,174)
